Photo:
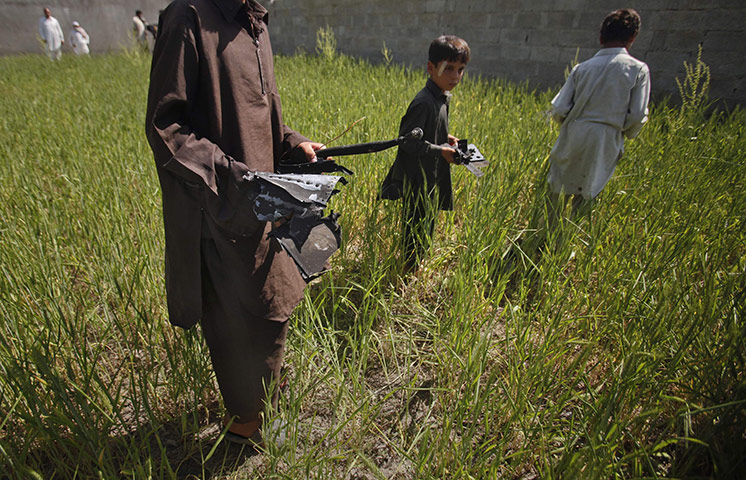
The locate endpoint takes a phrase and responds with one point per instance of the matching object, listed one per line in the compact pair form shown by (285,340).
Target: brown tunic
(213,114)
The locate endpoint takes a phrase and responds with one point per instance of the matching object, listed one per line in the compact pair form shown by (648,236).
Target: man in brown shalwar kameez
(214,114)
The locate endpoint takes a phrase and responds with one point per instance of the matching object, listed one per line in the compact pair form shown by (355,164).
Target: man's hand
(309,149)
(452,140)
(448,152)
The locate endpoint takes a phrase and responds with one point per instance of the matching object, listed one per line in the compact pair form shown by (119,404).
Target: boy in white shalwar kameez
(603,100)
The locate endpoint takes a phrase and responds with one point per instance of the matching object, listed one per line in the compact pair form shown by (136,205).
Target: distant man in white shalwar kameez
(139,29)
(51,34)
(603,100)
(79,40)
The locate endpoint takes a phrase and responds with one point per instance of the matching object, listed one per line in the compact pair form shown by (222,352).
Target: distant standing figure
(139,28)
(603,100)
(79,40)
(51,34)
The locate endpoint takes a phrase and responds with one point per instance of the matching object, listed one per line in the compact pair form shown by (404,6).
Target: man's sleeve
(637,113)
(563,102)
(173,89)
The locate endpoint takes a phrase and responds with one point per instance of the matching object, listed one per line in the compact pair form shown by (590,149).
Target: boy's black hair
(450,48)
(620,26)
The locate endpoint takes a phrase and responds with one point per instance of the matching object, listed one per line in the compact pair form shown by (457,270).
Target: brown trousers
(247,352)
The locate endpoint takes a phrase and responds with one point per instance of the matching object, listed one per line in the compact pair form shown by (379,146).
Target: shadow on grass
(720,451)
(172,450)
(188,454)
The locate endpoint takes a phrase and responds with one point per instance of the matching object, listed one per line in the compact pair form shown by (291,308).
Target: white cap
(76,24)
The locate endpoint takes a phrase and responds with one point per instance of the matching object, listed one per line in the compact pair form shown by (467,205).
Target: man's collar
(611,51)
(229,8)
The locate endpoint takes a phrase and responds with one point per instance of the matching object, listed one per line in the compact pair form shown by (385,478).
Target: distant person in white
(79,40)
(603,100)
(51,34)
(138,27)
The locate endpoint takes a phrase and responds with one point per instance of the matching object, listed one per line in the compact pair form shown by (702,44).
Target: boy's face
(445,74)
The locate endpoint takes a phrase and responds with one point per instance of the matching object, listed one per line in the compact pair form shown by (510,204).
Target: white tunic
(138,26)
(79,40)
(51,32)
(603,100)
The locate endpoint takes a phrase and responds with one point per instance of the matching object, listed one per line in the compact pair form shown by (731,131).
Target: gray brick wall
(528,40)
(521,40)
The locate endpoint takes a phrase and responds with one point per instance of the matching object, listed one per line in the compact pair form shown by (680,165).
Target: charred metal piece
(310,242)
(468,155)
(282,195)
(305,235)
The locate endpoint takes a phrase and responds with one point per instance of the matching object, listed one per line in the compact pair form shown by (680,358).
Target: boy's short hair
(620,26)
(450,48)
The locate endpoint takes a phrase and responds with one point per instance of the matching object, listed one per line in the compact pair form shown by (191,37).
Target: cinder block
(578,38)
(684,40)
(642,42)
(668,62)
(514,36)
(676,20)
(545,36)
(571,5)
(730,89)
(569,55)
(515,52)
(501,20)
(559,20)
(724,41)
(658,41)
(721,19)
(545,54)
(722,63)
(699,5)
(528,20)
(472,20)
(590,20)
(435,5)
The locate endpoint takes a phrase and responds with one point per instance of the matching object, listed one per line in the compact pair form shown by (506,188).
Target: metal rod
(369,147)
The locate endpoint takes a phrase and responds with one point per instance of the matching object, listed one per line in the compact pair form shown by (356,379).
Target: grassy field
(618,353)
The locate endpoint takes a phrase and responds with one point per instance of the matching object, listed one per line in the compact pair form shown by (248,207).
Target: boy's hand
(448,153)
(309,148)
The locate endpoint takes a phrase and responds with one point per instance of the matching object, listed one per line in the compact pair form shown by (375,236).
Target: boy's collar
(435,89)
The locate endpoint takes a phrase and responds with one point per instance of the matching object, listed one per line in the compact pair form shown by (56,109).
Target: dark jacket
(213,114)
(420,168)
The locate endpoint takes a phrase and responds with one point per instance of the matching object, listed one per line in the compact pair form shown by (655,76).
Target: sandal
(255,440)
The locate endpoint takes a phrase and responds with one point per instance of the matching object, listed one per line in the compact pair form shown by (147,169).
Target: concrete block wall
(528,40)
(520,40)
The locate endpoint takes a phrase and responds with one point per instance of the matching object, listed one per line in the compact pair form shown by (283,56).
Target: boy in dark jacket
(421,173)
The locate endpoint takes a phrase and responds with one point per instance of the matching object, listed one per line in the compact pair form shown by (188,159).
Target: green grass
(619,353)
